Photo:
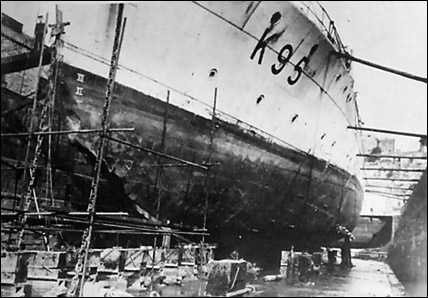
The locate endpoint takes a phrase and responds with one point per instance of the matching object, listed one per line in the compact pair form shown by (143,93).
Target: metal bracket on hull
(381,67)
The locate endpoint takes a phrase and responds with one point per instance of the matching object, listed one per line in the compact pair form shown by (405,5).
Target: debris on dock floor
(367,279)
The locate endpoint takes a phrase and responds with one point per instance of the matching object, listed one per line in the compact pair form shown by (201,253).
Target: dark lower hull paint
(262,198)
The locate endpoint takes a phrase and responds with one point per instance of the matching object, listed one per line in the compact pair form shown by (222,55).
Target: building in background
(392,177)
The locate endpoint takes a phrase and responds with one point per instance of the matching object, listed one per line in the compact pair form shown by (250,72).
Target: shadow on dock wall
(372,232)
(407,255)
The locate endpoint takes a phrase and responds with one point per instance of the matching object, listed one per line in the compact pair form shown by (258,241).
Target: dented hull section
(257,189)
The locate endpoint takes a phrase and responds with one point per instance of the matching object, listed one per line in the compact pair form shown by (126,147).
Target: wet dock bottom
(367,279)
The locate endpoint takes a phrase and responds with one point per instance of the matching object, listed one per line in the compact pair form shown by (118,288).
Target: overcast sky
(394,34)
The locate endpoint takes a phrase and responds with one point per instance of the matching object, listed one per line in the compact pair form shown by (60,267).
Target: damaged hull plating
(283,162)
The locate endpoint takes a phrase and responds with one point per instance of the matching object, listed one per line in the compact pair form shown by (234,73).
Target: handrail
(329,28)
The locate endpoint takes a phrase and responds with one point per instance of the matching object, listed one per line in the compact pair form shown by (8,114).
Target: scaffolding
(90,221)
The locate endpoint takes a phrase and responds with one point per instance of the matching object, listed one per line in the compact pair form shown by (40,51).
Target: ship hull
(283,169)
(259,193)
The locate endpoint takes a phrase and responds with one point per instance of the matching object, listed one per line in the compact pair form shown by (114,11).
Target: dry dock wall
(407,255)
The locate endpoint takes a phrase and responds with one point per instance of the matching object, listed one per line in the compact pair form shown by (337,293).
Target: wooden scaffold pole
(80,270)
(208,176)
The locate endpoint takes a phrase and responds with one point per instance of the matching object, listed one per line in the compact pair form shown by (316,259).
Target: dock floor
(367,279)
